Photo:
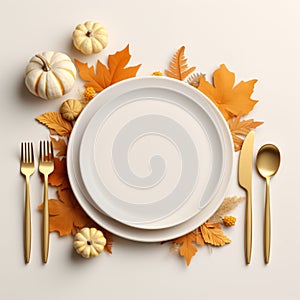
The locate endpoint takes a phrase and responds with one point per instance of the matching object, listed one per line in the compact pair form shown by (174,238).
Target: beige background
(255,39)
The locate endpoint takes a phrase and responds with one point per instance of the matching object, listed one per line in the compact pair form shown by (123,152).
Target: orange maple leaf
(231,100)
(66,215)
(59,177)
(178,67)
(55,122)
(104,77)
(187,244)
(60,146)
(241,128)
(213,234)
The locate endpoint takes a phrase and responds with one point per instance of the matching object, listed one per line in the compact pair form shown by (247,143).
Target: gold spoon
(267,163)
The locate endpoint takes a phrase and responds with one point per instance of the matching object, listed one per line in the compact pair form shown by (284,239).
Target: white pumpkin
(50,75)
(90,37)
(89,242)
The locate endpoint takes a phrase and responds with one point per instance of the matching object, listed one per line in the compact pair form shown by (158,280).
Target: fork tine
(45,150)
(27,153)
(41,150)
(31,152)
(50,150)
(22,152)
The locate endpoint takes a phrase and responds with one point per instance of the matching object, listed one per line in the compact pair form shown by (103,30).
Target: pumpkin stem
(46,66)
(88,33)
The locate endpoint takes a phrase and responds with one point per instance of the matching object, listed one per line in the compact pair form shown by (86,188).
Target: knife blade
(245,181)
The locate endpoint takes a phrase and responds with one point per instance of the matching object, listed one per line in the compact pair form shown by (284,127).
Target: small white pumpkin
(50,75)
(89,242)
(90,37)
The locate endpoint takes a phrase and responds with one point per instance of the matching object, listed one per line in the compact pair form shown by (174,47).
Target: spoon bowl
(267,164)
(268,160)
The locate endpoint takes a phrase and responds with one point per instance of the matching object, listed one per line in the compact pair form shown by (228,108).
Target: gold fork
(46,167)
(27,169)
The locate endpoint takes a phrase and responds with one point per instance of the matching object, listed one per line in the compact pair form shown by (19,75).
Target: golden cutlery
(27,169)
(245,181)
(46,167)
(267,164)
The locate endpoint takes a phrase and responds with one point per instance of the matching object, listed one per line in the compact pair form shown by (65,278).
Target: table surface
(255,39)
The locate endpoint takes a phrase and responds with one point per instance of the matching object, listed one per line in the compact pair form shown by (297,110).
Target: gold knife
(245,181)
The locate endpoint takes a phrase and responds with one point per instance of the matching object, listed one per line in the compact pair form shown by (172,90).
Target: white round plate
(152,153)
(184,107)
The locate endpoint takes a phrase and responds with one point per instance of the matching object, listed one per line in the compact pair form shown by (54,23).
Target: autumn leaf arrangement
(233,101)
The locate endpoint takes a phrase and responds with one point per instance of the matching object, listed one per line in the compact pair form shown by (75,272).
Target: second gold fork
(46,167)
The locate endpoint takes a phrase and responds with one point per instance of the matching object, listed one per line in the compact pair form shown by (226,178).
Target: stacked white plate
(150,158)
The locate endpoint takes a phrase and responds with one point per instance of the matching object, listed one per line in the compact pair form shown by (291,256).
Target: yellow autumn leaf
(213,234)
(56,123)
(232,100)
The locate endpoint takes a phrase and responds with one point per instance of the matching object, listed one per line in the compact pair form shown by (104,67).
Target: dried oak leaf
(212,234)
(240,128)
(231,100)
(55,122)
(60,146)
(178,67)
(187,243)
(103,76)
(66,215)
